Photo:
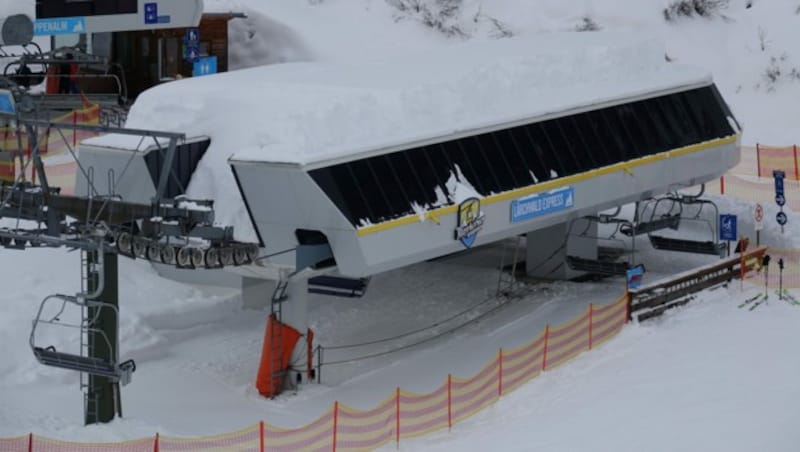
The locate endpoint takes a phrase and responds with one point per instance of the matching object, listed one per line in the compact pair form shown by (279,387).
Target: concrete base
(547,251)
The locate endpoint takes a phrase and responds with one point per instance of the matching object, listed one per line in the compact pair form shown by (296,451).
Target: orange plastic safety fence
(522,364)
(316,436)
(761,190)
(423,413)
(771,158)
(471,395)
(41,444)
(366,429)
(18,444)
(247,439)
(567,341)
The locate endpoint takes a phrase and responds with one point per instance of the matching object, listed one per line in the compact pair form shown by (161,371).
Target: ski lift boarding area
(399,161)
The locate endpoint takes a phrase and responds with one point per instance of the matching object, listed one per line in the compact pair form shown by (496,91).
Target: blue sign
(780,198)
(150,13)
(59,26)
(7,102)
(205,66)
(634,276)
(191,53)
(727,227)
(781,218)
(192,37)
(542,204)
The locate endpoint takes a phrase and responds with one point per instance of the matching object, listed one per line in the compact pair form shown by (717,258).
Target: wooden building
(150,57)
(141,59)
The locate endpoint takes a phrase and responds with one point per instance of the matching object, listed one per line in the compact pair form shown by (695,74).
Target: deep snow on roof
(305,113)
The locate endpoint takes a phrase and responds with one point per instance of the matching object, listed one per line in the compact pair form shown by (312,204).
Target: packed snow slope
(707,377)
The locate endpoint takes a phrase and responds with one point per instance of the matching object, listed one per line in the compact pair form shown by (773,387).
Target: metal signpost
(780,197)
(727,229)
(758,216)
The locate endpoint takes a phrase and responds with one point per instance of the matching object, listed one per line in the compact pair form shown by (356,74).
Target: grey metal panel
(130,176)
(284,198)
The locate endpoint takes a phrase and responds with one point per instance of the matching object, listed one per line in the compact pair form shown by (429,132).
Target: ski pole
(765,262)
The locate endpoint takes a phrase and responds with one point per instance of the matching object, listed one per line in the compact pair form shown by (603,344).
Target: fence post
(335,422)
(155,443)
(722,185)
(30,442)
(449,401)
(796,169)
(544,355)
(261,435)
(500,373)
(591,321)
(758,160)
(397,417)
(628,301)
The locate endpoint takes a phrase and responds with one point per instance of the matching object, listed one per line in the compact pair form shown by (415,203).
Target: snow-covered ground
(706,377)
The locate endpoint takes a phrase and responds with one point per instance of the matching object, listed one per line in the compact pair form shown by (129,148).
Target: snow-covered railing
(654,299)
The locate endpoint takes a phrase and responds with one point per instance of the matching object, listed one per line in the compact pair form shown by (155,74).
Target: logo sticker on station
(470,221)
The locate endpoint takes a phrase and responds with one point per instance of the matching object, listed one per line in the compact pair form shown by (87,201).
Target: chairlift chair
(655,223)
(602,266)
(112,369)
(338,286)
(712,247)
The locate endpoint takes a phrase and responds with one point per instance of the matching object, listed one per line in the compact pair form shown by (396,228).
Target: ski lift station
(345,171)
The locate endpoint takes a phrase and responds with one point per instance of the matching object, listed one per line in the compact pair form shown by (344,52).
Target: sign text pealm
(542,204)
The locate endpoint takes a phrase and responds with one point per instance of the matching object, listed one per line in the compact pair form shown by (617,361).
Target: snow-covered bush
(440,15)
(779,69)
(691,8)
(587,24)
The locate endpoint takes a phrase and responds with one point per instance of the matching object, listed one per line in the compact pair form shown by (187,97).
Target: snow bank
(310,112)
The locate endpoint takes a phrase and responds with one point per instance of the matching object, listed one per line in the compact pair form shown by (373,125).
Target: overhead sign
(62,26)
(727,227)
(470,221)
(100,16)
(205,66)
(542,204)
(780,198)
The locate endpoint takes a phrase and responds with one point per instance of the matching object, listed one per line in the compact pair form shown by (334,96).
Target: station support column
(548,248)
(103,401)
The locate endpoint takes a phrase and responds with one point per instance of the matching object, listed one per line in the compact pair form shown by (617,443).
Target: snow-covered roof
(307,113)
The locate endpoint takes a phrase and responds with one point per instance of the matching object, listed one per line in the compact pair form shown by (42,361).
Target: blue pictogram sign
(727,227)
(780,198)
(205,66)
(150,13)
